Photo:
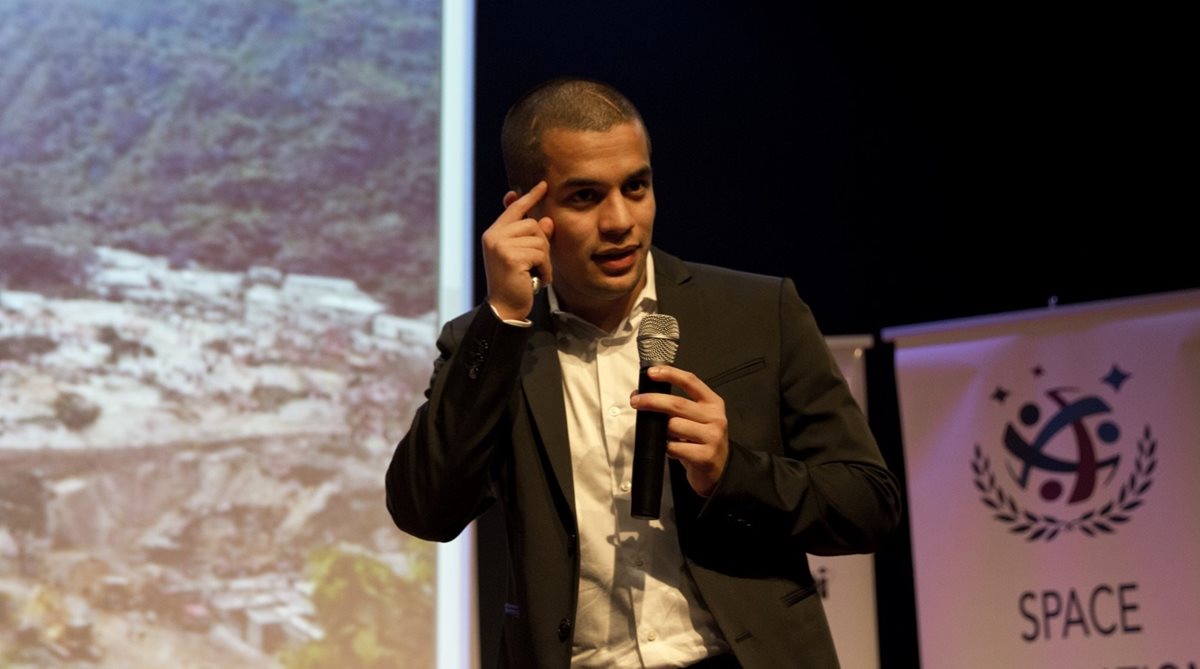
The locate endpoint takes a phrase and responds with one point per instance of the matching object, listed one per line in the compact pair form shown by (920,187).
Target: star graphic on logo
(1115,377)
(1000,394)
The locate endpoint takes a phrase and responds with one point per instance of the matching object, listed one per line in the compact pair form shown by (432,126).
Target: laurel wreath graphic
(1045,527)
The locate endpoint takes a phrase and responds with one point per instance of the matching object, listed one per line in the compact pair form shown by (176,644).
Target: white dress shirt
(638,606)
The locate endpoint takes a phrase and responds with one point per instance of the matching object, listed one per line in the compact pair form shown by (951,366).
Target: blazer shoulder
(714,272)
(731,287)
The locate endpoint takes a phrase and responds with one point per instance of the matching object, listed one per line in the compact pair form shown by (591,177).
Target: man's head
(562,104)
(587,142)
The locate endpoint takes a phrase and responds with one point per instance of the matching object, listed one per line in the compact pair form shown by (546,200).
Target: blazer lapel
(679,296)
(542,383)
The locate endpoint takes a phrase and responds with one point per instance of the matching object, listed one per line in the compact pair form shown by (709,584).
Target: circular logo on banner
(1067,463)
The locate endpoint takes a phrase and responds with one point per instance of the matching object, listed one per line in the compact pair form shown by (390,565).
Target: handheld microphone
(658,342)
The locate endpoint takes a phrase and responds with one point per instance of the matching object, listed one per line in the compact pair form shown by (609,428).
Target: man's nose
(616,215)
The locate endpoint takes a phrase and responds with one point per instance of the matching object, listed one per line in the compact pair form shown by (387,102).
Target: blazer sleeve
(441,474)
(828,491)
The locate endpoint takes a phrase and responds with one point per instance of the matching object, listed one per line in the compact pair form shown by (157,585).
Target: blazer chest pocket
(798,595)
(737,372)
(751,404)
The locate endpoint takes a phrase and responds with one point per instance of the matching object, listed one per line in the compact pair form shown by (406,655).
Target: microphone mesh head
(658,339)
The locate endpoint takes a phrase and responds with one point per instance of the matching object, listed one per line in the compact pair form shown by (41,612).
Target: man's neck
(607,315)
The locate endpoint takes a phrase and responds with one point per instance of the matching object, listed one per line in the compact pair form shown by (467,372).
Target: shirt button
(614,410)
(639,562)
(652,635)
(625,487)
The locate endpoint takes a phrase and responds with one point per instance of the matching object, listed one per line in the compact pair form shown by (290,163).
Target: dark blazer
(804,473)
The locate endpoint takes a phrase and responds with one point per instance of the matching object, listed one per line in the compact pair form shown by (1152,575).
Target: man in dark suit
(532,403)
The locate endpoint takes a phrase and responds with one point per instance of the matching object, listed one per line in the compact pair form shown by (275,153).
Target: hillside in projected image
(218,241)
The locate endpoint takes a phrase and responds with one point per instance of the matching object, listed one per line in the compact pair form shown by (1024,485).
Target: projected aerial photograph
(218,241)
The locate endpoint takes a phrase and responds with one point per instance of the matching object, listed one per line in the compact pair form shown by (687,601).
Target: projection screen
(220,282)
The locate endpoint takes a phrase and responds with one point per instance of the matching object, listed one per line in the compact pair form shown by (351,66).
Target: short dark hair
(568,103)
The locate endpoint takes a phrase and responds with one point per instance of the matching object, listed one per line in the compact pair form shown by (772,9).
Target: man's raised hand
(516,247)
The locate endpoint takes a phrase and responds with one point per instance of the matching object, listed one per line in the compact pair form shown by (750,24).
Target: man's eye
(583,196)
(636,187)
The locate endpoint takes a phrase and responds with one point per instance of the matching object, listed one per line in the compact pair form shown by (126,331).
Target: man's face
(601,200)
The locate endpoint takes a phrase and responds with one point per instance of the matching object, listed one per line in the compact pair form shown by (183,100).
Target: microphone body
(649,452)
(658,341)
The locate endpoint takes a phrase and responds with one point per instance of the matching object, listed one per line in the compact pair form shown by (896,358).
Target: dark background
(902,165)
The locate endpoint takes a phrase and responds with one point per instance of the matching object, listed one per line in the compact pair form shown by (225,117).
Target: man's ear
(510,197)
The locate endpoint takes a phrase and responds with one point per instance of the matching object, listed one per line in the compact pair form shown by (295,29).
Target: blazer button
(564,629)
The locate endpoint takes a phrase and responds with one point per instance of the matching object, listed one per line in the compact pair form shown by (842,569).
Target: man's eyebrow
(584,182)
(579,182)
(644,173)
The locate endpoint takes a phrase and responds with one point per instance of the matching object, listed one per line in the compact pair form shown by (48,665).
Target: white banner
(1053,463)
(847,583)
